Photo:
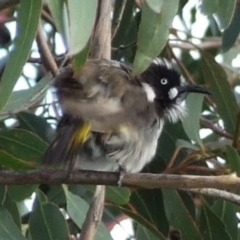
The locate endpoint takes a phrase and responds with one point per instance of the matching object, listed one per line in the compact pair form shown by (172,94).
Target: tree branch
(231,197)
(139,180)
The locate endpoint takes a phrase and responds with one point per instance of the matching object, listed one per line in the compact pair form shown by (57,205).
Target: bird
(112,119)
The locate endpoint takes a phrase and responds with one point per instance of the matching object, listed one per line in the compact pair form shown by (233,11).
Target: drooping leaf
(191,123)
(211,226)
(8,228)
(35,124)
(153,33)
(224,13)
(24,99)
(231,33)
(149,204)
(22,144)
(28,18)
(56,9)
(226,211)
(221,10)
(142,233)
(9,161)
(81,16)
(47,222)
(20,192)
(233,159)
(155,5)
(179,217)
(12,208)
(118,195)
(226,103)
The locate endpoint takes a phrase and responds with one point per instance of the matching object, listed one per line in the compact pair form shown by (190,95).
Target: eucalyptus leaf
(153,33)
(47,222)
(226,103)
(8,228)
(191,123)
(231,33)
(27,23)
(81,15)
(211,225)
(174,207)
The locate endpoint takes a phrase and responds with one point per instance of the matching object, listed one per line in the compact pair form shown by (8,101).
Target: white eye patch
(173,92)
(149,92)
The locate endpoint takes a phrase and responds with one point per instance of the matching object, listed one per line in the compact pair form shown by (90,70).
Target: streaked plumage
(112,118)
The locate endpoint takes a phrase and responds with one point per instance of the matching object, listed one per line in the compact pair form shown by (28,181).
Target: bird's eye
(164,81)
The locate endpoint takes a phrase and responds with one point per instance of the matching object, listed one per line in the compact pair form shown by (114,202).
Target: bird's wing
(102,94)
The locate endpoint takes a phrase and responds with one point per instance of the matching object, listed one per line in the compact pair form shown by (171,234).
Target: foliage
(141,32)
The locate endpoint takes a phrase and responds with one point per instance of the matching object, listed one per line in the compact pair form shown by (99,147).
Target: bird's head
(167,89)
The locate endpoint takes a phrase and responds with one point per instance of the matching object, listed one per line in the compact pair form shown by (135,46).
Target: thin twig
(214,128)
(117,22)
(46,55)
(231,197)
(204,45)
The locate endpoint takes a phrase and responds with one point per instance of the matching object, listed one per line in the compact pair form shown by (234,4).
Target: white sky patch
(173,92)
(149,92)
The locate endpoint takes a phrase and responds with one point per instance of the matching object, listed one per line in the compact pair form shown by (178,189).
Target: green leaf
(3,193)
(77,209)
(211,226)
(81,17)
(179,217)
(185,144)
(224,13)
(149,205)
(155,5)
(118,195)
(22,144)
(231,34)
(233,159)
(191,123)
(12,208)
(208,7)
(12,162)
(27,23)
(21,192)
(153,34)
(167,142)
(142,233)
(36,124)
(8,228)
(144,222)
(223,96)
(56,9)
(221,10)
(47,222)
(23,99)
(226,211)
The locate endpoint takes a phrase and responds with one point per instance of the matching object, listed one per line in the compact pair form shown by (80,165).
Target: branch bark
(139,180)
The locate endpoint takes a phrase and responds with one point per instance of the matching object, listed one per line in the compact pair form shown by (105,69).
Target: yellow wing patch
(81,135)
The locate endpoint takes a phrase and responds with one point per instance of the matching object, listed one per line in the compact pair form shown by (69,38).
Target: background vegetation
(38,37)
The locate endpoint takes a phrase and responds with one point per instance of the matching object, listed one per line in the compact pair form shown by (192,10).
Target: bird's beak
(192,88)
